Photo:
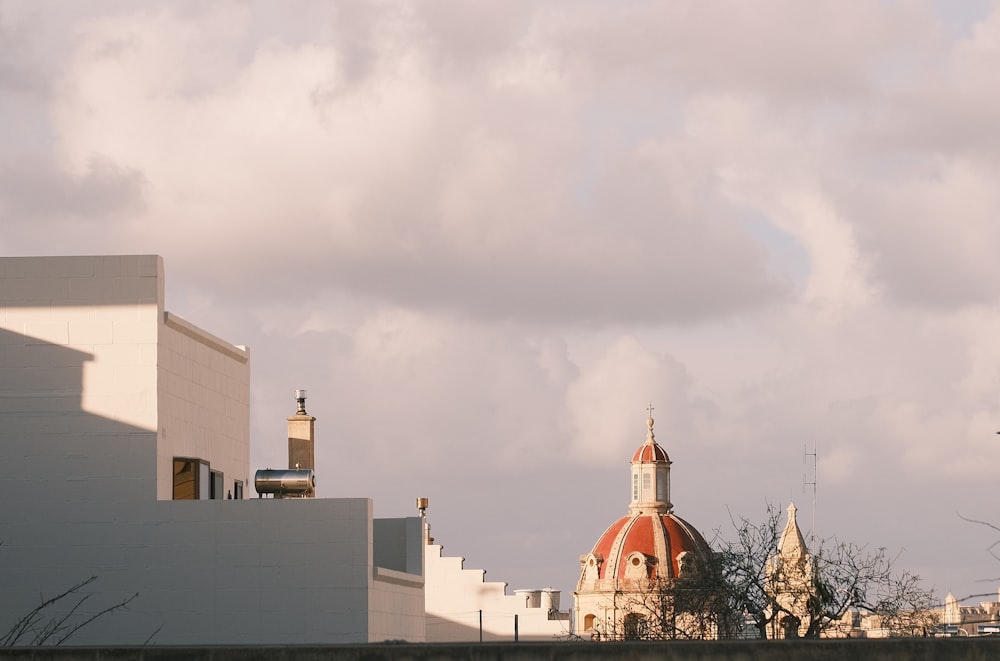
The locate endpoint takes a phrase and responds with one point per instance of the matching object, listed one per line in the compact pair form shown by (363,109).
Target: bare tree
(691,606)
(839,578)
(851,577)
(743,583)
(743,566)
(40,626)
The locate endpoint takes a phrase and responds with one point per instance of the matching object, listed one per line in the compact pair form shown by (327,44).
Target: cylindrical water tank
(531,597)
(282,482)
(549,599)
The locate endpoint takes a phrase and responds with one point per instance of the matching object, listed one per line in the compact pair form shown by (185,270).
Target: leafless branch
(57,628)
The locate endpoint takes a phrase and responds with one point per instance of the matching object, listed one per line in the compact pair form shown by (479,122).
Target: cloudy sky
(486,235)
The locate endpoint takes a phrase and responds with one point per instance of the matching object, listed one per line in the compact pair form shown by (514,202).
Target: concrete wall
(965,649)
(87,338)
(399,544)
(396,607)
(99,390)
(78,377)
(397,599)
(456,598)
(203,386)
(259,571)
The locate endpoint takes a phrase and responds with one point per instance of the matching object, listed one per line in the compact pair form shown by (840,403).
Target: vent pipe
(301,438)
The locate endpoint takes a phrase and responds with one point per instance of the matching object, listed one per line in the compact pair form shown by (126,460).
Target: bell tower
(650,475)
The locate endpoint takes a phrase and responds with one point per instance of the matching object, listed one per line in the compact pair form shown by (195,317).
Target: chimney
(301,437)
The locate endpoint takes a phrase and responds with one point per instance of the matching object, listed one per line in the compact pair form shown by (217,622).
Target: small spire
(650,436)
(791,543)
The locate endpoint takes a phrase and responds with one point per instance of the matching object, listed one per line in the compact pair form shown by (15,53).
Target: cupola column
(650,475)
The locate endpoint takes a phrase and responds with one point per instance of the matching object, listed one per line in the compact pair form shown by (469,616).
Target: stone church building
(637,555)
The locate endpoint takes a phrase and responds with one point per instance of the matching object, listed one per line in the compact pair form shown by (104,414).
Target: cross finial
(650,438)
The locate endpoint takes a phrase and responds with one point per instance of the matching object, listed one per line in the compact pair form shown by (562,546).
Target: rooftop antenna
(805,483)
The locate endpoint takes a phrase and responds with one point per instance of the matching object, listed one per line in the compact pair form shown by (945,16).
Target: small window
(635,486)
(191,479)
(661,486)
(588,621)
(217,485)
(238,489)
(646,486)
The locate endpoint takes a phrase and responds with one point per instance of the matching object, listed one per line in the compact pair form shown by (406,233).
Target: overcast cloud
(485,235)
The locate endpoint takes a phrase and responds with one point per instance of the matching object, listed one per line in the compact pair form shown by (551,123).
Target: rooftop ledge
(236,352)
(398,577)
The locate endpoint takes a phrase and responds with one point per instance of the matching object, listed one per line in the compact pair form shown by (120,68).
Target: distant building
(980,620)
(791,581)
(124,442)
(648,548)
(463,607)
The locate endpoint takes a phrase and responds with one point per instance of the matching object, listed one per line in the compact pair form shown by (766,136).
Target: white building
(463,607)
(110,407)
(982,619)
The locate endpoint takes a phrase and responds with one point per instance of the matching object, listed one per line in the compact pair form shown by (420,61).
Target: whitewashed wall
(257,571)
(78,377)
(99,390)
(203,386)
(456,596)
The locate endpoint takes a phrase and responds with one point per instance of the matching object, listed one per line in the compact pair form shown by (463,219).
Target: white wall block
(89,434)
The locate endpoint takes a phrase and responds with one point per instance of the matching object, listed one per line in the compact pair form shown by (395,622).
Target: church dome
(650,541)
(655,540)
(650,452)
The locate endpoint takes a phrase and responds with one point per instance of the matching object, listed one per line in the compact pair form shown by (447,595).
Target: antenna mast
(805,483)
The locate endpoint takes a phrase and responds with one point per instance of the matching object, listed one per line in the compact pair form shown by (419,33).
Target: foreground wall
(965,649)
(259,571)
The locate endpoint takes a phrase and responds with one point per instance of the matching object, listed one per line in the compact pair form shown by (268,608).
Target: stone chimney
(301,436)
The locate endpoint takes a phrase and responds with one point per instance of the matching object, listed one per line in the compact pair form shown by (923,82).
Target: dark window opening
(190,479)
(635,627)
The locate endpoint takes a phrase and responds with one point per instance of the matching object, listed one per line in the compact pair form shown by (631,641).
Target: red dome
(650,452)
(655,535)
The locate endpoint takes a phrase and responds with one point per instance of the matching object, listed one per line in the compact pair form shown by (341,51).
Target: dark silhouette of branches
(852,577)
(991,549)
(37,627)
(745,582)
(693,606)
(743,565)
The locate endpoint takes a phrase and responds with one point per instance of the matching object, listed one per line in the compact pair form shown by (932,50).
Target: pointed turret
(791,581)
(792,544)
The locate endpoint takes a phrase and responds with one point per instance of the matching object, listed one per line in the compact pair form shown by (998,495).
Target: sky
(486,236)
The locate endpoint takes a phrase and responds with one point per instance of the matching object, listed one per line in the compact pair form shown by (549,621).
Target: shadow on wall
(52,450)
(57,457)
